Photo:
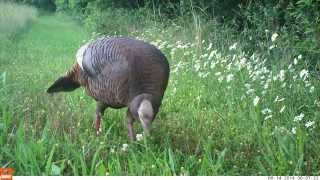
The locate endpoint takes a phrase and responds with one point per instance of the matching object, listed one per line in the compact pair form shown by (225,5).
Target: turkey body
(119,72)
(118,69)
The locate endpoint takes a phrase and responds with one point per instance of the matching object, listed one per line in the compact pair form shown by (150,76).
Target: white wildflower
(197,66)
(295,61)
(250,91)
(307,84)
(243,61)
(234,57)
(217,73)
(256,101)
(212,65)
(204,55)
(290,86)
(284,85)
(278,99)
(282,109)
(282,75)
(234,46)
(303,74)
(212,54)
(229,77)
(210,46)
(174,90)
(218,55)
(124,147)
(186,53)
(203,75)
(161,46)
(198,98)
(264,92)
(268,117)
(183,172)
(293,130)
(300,56)
(299,117)
(275,78)
(309,124)
(247,85)
(139,137)
(311,89)
(274,37)
(271,47)
(229,66)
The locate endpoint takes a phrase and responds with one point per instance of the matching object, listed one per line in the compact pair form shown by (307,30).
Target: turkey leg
(101,107)
(131,133)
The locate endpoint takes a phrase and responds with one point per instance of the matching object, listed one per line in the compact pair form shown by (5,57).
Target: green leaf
(49,160)
(55,170)
(172,162)
(101,170)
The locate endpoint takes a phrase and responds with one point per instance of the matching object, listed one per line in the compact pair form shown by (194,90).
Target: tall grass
(13,17)
(227,111)
(229,104)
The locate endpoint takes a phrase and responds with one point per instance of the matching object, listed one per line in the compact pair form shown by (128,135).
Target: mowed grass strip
(14,17)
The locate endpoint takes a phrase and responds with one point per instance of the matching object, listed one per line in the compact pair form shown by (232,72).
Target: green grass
(206,126)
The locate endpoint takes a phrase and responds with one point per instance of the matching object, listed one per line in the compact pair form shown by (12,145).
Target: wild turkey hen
(117,73)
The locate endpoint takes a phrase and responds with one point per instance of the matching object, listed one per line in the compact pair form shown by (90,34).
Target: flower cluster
(241,77)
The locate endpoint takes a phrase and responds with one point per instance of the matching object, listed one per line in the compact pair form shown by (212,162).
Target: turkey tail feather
(64,83)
